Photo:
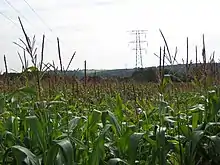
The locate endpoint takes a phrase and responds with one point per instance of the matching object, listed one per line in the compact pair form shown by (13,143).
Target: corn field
(45,122)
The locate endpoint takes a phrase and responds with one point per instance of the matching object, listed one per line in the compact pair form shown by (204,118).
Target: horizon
(97,30)
(114,69)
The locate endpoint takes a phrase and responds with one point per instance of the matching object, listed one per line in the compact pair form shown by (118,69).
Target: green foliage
(145,75)
(55,123)
(121,126)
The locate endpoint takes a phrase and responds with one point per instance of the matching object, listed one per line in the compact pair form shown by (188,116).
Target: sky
(98,30)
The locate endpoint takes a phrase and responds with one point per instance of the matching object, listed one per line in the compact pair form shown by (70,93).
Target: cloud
(96,29)
(104,2)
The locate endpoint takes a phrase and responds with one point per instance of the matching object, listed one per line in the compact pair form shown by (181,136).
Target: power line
(37,15)
(138,47)
(9,19)
(33,10)
(41,19)
(17,11)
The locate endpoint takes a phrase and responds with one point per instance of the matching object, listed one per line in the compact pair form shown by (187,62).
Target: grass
(55,122)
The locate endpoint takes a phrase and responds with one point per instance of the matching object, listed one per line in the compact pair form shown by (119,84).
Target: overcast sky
(98,29)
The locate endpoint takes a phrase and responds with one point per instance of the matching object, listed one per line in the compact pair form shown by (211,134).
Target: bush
(146,75)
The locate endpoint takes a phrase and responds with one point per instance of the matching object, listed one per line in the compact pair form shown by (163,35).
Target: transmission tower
(140,38)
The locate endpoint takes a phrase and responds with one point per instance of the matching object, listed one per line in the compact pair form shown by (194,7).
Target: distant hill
(102,73)
(180,68)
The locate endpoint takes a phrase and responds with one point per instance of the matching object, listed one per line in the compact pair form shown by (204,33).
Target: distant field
(109,123)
